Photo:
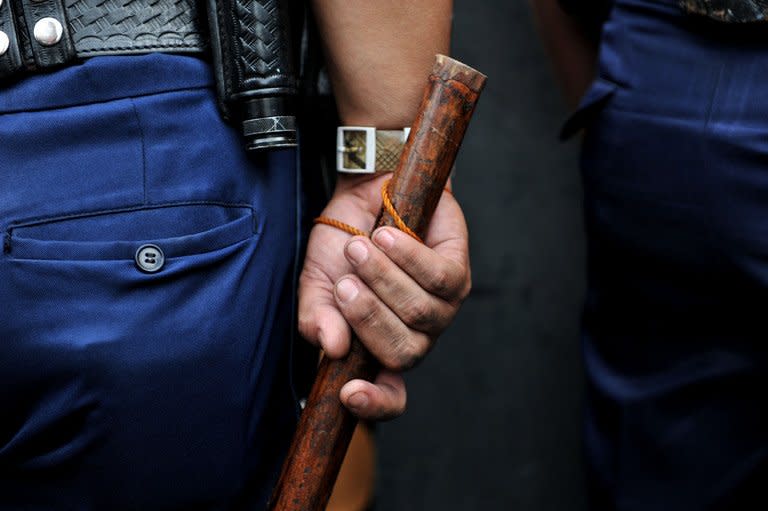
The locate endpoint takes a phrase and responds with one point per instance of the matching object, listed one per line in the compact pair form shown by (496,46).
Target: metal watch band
(365,150)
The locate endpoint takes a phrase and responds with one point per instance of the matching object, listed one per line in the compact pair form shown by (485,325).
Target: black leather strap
(10,60)
(96,27)
(44,56)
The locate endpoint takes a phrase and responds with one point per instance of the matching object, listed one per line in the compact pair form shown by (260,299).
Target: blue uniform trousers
(122,388)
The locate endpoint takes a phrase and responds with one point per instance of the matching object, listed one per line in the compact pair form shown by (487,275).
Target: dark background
(495,412)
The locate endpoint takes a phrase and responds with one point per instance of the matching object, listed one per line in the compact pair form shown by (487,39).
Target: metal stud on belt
(48,31)
(5,41)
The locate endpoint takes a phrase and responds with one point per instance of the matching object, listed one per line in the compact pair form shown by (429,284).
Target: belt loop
(48,32)
(10,54)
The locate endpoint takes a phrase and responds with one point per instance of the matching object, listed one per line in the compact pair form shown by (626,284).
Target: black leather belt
(39,34)
(253,48)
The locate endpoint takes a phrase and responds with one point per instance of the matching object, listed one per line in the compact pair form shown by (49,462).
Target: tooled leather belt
(36,35)
(252,48)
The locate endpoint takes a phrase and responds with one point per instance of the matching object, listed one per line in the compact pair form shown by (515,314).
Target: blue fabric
(675,171)
(121,389)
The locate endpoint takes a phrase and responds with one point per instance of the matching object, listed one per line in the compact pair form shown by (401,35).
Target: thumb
(321,322)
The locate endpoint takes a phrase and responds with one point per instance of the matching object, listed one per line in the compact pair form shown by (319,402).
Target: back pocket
(103,349)
(178,229)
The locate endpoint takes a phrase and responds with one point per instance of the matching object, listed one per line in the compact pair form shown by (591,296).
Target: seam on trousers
(297,268)
(143,152)
(20,110)
(712,98)
(34,221)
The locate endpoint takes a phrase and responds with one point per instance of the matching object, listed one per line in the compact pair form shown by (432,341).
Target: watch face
(355,150)
(730,11)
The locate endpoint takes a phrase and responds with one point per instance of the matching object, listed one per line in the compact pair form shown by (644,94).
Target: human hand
(396,294)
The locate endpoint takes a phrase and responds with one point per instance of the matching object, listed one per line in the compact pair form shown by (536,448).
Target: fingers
(442,276)
(320,320)
(396,294)
(383,333)
(383,399)
(415,307)
(403,293)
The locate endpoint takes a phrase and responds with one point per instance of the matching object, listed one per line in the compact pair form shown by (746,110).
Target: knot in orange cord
(388,207)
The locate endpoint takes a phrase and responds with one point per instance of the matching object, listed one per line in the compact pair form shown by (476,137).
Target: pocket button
(150,258)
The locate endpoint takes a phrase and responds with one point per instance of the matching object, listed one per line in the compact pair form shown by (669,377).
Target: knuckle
(415,353)
(390,360)
(441,282)
(367,315)
(375,272)
(311,273)
(419,314)
(405,355)
(412,251)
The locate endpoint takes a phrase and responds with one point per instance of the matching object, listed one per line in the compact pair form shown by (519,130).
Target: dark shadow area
(495,412)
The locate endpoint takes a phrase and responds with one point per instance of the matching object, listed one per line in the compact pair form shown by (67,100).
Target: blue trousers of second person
(675,172)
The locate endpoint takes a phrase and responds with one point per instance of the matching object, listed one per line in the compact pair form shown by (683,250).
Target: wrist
(348,183)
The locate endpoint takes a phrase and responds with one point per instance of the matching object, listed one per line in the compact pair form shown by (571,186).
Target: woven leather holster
(253,49)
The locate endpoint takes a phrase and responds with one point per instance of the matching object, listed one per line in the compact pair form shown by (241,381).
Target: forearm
(379,55)
(572,54)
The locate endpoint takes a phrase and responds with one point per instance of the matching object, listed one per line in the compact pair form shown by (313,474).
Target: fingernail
(358,400)
(357,251)
(346,290)
(384,239)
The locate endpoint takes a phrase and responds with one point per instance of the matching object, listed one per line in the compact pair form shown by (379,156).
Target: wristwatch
(365,150)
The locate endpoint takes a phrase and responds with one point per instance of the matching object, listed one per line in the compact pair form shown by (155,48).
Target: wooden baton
(325,427)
